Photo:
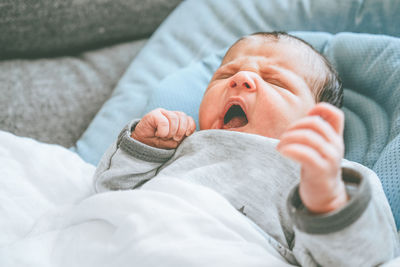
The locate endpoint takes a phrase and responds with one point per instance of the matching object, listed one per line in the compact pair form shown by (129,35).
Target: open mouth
(235,117)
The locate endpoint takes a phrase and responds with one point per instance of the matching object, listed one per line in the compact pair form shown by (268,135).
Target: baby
(273,101)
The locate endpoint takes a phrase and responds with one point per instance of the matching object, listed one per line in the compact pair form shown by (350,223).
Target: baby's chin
(238,129)
(243,129)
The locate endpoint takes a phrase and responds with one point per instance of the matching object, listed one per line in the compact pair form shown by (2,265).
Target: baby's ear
(331,114)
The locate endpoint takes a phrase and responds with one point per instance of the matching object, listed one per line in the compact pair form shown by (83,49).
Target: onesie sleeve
(362,233)
(128,163)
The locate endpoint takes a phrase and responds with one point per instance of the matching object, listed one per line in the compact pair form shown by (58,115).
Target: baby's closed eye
(275,82)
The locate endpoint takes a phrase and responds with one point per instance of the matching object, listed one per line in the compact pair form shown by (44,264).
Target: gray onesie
(248,171)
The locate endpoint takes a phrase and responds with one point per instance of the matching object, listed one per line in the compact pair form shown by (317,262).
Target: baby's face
(260,88)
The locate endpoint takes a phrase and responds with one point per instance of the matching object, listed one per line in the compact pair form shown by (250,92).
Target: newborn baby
(273,101)
(264,86)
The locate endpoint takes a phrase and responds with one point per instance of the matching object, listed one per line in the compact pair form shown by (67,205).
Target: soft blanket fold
(170,222)
(50,216)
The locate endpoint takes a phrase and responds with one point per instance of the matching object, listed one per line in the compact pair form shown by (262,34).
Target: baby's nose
(242,80)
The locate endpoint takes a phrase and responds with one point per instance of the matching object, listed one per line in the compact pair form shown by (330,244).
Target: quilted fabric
(369,65)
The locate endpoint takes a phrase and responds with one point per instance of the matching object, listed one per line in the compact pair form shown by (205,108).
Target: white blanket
(50,216)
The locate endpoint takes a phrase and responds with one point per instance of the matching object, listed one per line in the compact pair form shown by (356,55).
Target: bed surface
(54,99)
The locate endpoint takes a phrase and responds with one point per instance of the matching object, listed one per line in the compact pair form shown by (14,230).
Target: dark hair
(329,88)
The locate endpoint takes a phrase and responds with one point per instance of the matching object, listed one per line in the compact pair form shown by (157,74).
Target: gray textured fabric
(55,27)
(54,99)
(248,171)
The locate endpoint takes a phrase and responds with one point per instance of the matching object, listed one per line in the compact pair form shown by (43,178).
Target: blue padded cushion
(197,29)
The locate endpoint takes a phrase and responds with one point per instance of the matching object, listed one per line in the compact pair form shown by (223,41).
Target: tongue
(236,122)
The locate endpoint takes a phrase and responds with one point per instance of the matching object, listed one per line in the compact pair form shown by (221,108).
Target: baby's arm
(339,210)
(141,148)
(316,142)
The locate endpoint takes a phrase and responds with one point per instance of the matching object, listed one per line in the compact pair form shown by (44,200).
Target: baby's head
(265,82)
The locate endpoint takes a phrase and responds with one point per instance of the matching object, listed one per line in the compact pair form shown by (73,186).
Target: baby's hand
(316,142)
(161,128)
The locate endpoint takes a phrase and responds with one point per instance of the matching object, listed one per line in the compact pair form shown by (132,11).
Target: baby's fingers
(191,126)
(187,126)
(305,155)
(318,125)
(158,121)
(183,124)
(313,140)
(331,114)
(168,131)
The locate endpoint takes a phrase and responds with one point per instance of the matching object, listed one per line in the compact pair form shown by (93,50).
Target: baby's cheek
(208,113)
(204,117)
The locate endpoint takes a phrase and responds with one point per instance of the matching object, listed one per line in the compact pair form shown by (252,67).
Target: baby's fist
(165,129)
